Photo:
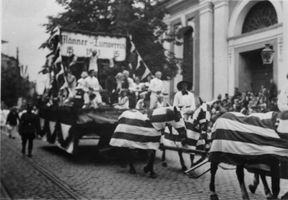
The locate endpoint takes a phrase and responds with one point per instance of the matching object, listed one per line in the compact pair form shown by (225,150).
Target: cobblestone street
(53,174)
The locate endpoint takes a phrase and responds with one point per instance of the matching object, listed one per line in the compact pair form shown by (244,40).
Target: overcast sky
(21,27)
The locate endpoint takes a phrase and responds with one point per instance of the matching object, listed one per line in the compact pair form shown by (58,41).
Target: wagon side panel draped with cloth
(65,126)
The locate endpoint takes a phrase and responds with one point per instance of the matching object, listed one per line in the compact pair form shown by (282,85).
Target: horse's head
(202,114)
(177,121)
(168,115)
(282,124)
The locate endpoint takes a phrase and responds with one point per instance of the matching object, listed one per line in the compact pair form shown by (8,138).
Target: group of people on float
(128,92)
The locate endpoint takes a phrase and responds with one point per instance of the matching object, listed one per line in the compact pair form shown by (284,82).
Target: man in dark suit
(29,126)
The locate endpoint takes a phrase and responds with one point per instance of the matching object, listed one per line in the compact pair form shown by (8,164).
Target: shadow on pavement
(89,154)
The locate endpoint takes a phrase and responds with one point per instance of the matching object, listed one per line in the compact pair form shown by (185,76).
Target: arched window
(261,15)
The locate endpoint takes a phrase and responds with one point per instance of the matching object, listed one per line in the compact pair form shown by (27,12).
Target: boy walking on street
(12,121)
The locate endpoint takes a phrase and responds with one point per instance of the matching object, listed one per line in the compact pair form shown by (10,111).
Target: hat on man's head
(181,83)
(90,71)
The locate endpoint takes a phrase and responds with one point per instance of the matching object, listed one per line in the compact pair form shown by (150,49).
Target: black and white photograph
(144,99)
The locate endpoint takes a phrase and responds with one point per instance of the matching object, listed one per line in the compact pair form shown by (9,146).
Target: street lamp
(267,54)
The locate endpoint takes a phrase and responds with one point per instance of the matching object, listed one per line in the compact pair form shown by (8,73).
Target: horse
(249,142)
(136,130)
(197,128)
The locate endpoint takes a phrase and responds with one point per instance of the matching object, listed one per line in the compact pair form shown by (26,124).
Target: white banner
(82,45)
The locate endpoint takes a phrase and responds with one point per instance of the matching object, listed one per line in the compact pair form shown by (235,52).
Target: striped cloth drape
(238,138)
(195,138)
(134,130)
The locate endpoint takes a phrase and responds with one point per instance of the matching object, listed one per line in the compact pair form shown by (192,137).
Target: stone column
(221,16)
(283,48)
(206,50)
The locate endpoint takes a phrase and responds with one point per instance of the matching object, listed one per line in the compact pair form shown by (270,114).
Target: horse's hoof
(164,164)
(252,189)
(272,198)
(184,168)
(153,175)
(132,171)
(214,197)
(145,169)
(269,195)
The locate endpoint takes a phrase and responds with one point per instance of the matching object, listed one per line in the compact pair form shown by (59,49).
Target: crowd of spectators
(246,102)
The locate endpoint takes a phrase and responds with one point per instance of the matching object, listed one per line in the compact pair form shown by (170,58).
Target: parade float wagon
(66,125)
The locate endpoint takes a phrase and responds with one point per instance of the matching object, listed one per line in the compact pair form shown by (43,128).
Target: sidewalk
(4,193)
(21,178)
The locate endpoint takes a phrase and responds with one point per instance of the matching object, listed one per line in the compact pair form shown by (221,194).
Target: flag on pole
(133,48)
(141,69)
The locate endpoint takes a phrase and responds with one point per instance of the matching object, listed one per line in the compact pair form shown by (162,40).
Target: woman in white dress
(123,102)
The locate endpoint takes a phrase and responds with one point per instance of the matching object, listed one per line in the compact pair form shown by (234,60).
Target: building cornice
(205,6)
(186,11)
(171,3)
(219,3)
(177,6)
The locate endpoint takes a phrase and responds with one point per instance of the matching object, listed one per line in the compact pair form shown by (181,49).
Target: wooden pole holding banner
(183,150)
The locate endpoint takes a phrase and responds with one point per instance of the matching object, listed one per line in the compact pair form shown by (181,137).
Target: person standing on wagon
(282,102)
(93,65)
(93,86)
(156,88)
(12,121)
(29,127)
(184,99)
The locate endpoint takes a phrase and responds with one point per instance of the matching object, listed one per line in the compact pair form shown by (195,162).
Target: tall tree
(140,18)
(13,85)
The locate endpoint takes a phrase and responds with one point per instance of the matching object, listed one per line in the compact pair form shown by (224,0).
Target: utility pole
(17,56)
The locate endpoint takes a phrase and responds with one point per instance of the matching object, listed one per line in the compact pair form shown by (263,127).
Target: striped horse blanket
(194,141)
(135,130)
(237,138)
(195,136)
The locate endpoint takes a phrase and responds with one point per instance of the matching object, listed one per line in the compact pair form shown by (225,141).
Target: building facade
(222,41)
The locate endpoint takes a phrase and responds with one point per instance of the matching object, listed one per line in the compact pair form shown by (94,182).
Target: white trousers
(153,100)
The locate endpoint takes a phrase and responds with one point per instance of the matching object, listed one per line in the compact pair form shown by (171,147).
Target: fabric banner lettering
(82,45)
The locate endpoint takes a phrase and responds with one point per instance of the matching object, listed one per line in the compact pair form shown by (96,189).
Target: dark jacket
(29,125)
(12,118)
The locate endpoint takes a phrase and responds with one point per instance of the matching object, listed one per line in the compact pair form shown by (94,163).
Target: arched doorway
(256,26)
(254,73)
